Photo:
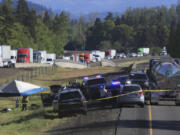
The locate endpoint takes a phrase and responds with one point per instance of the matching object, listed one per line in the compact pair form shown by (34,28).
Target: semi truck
(25,55)
(110,54)
(143,51)
(5,56)
(39,56)
(87,57)
(50,58)
(101,54)
(13,56)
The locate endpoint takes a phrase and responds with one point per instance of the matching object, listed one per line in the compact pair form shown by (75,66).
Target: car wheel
(84,112)
(154,103)
(142,105)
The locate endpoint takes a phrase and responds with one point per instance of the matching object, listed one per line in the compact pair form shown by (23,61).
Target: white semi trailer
(39,56)
(5,56)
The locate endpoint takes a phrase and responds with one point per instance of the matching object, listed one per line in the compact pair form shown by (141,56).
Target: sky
(87,6)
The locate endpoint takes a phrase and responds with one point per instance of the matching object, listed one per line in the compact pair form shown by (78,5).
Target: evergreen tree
(22,11)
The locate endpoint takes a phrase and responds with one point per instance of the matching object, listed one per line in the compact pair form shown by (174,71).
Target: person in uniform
(24,103)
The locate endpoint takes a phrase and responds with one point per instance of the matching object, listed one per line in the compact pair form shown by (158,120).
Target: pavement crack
(116,123)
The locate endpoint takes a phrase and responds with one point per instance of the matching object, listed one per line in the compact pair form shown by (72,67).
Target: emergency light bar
(85,78)
(98,76)
(116,83)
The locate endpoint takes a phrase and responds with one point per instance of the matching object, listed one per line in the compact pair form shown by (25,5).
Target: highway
(165,120)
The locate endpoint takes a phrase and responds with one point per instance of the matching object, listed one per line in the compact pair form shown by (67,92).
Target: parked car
(135,95)
(71,101)
(114,88)
(120,55)
(139,78)
(94,87)
(124,79)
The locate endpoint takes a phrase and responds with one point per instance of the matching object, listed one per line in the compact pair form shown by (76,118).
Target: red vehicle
(87,58)
(25,55)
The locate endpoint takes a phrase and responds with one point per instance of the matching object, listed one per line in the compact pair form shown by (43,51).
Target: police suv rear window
(96,81)
(138,76)
(70,95)
(131,88)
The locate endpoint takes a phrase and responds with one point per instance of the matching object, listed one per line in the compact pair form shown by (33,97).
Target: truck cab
(25,55)
(50,58)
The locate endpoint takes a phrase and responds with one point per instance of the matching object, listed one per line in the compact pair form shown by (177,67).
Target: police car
(94,87)
(114,88)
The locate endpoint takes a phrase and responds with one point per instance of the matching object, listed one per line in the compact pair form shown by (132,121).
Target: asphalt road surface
(150,120)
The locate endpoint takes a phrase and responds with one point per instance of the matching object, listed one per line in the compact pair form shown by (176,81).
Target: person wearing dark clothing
(17,102)
(24,103)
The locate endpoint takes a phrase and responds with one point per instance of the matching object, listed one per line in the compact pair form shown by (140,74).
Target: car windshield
(49,59)
(138,76)
(96,81)
(122,78)
(22,55)
(131,88)
(70,95)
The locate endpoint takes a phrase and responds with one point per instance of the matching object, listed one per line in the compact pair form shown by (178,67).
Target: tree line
(135,28)
(141,27)
(21,28)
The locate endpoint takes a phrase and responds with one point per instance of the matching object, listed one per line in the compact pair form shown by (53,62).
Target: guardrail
(70,61)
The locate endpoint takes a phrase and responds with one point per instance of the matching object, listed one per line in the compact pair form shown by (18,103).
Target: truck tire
(141,105)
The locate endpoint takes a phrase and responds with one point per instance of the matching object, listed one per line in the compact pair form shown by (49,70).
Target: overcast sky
(86,6)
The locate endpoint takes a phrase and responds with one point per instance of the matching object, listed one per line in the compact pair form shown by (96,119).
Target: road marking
(116,124)
(150,119)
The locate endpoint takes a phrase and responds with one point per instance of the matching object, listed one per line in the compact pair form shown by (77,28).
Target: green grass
(34,121)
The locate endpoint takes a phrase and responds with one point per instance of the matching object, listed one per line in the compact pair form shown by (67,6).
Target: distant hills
(74,8)
(38,8)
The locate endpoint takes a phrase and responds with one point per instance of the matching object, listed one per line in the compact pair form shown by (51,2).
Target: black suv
(139,78)
(71,100)
(94,87)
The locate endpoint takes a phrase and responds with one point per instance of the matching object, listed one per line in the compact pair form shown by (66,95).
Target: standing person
(24,103)
(17,102)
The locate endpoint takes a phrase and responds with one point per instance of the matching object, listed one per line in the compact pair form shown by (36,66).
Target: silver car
(131,94)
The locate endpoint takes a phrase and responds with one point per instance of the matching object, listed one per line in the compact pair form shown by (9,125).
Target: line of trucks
(9,57)
(97,55)
(93,56)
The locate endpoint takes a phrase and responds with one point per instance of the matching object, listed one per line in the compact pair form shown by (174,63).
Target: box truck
(39,56)
(25,55)
(5,56)
(50,58)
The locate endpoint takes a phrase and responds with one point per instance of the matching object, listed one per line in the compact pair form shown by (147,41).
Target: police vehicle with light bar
(114,88)
(94,87)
